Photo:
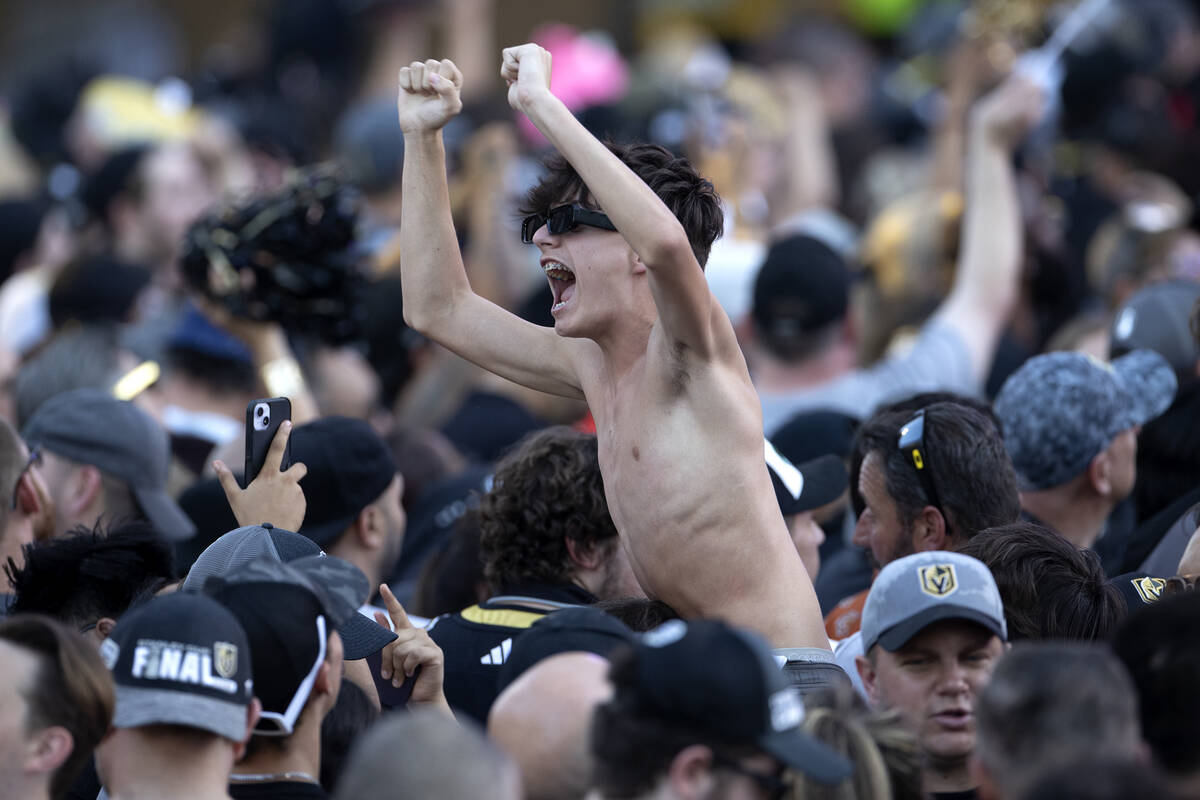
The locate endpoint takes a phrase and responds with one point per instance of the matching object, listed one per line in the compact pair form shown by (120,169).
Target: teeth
(557,271)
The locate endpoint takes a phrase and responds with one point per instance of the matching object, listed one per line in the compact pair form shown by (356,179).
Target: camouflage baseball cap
(1060,409)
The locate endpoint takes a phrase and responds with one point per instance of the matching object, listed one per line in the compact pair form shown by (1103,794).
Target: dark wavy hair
(691,198)
(1051,589)
(545,491)
(971,470)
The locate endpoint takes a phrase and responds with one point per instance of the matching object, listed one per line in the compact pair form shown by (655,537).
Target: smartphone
(263,418)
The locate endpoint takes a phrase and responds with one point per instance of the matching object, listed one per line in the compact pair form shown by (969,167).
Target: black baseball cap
(181,659)
(90,426)
(723,682)
(810,485)
(360,636)
(349,467)
(1159,318)
(288,611)
(582,629)
(802,286)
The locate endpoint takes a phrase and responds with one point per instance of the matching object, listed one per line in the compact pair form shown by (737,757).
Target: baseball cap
(1060,409)
(801,287)
(360,636)
(585,629)
(181,659)
(1158,318)
(722,681)
(90,426)
(811,485)
(349,467)
(288,611)
(913,592)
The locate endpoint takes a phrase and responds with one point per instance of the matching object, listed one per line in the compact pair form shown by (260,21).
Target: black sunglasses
(35,457)
(912,447)
(562,220)
(773,786)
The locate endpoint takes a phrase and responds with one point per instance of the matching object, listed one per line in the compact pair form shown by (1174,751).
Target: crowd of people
(797,405)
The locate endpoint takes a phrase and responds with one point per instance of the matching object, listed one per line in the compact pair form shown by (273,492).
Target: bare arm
(438,300)
(989,263)
(810,180)
(685,305)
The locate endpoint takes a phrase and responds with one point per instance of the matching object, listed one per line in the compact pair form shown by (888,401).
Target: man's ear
(49,749)
(369,528)
(104,627)
(690,773)
(586,555)
(1099,473)
(929,530)
(866,673)
(86,486)
(253,712)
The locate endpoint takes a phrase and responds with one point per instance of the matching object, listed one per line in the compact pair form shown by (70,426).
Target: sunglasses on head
(563,219)
(912,446)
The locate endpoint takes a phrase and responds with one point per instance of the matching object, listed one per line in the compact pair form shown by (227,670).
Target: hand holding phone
(273,493)
(263,418)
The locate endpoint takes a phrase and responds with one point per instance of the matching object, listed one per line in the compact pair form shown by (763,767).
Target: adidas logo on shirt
(499,654)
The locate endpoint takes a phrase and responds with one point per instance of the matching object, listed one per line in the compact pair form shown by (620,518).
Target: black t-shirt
(477,640)
(969,794)
(277,790)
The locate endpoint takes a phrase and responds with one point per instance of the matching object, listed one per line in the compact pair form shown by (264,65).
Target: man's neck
(302,757)
(359,558)
(948,776)
(772,374)
(1077,519)
(157,770)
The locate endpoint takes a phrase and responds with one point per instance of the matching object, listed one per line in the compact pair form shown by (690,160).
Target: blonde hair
(884,753)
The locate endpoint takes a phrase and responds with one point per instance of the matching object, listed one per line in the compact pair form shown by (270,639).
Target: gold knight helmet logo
(225,657)
(938,580)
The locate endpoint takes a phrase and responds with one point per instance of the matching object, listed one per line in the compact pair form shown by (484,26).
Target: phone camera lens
(266,421)
(259,411)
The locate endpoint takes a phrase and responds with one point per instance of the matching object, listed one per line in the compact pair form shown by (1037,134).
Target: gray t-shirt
(938,362)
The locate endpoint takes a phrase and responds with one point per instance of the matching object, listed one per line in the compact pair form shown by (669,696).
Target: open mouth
(562,283)
(957,719)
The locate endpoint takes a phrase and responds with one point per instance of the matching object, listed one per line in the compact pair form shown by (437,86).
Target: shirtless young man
(638,335)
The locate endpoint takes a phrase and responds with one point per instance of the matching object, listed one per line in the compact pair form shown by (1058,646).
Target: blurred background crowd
(200,202)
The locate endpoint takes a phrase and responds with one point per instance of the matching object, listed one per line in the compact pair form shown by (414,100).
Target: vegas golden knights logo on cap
(938,580)
(1149,589)
(225,657)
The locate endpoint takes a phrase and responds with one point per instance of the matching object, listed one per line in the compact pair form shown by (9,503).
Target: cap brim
(1149,381)
(825,479)
(800,751)
(165,514)
(896,636)
(137,707)
(361,637)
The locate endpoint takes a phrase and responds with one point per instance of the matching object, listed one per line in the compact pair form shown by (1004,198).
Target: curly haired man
(548,542)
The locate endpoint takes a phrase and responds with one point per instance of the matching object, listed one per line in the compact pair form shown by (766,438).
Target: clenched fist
(526,70)
(429,95)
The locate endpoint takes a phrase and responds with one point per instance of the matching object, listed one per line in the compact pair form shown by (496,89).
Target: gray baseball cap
(1158,318)
(241,546)
(913,592)
(118,438)
(1060,409)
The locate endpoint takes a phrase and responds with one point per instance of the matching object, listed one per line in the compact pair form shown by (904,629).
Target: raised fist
(526,70)
(429,95)
(1010,110)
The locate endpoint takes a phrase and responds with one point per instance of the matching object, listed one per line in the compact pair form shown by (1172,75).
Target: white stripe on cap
(787,473)
(287,719)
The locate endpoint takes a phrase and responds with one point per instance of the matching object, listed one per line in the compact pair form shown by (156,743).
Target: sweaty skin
(640,337)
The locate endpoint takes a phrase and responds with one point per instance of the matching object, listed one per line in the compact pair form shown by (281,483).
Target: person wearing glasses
(25,515)
(700,710)
(623,232)
(929,478)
